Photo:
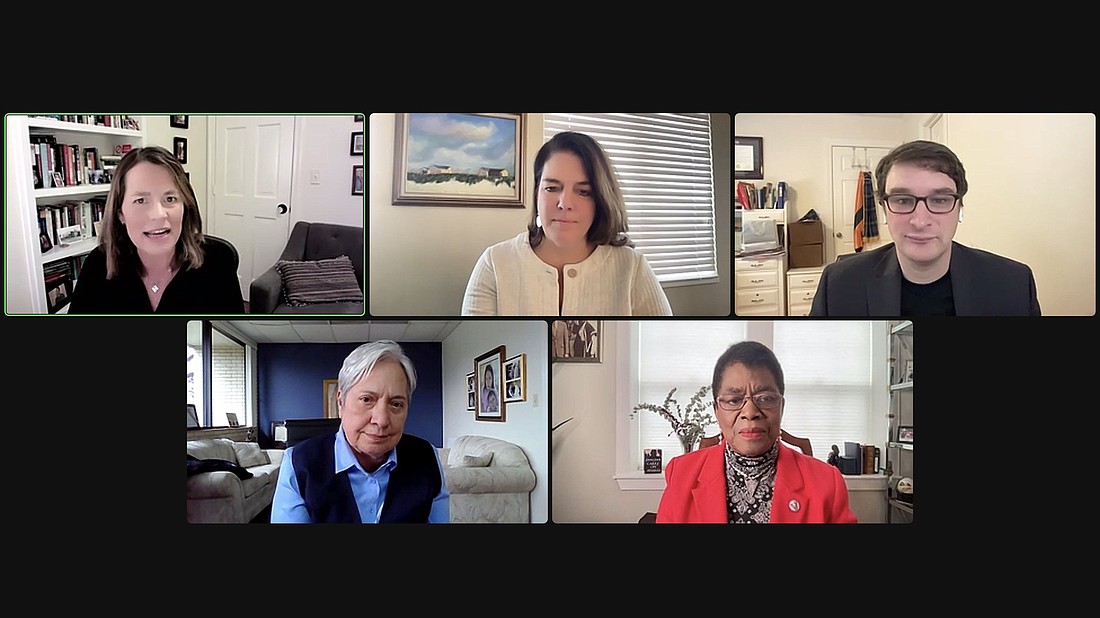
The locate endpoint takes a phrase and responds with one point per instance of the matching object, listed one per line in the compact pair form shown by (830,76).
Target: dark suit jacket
(869,284)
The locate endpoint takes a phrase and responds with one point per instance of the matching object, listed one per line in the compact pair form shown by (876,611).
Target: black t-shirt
(936,298)
(211,289)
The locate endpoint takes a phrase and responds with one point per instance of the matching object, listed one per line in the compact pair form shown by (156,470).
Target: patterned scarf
(750,482)
(866,220)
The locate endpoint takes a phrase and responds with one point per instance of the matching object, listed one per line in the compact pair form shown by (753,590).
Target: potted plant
(688,423)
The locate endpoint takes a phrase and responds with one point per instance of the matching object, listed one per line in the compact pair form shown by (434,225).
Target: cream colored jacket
(510,280)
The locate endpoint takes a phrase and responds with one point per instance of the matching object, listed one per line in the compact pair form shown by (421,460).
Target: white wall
(583,450)
(325,146)
(525,423)
(1032,180)
(421,256)
(160,132)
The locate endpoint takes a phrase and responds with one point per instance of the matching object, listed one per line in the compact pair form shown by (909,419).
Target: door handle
(283,209)
(839,235)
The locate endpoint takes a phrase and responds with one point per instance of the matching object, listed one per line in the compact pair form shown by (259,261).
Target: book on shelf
(59,280)
(116,120)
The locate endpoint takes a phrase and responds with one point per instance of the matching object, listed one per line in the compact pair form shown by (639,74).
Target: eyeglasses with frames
(938,203)
(765,402)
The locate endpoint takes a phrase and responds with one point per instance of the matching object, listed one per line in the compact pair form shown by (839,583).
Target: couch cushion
(212,448)
(249,454)
(319,281)
(474,461)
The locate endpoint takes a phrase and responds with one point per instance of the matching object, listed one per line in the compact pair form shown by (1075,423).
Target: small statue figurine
(834,457)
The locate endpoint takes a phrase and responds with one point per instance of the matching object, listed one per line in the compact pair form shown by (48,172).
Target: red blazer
(807,491)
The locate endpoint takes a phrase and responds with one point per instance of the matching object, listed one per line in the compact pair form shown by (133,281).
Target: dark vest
(414,482)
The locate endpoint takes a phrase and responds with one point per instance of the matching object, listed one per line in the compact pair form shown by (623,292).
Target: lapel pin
(794,506)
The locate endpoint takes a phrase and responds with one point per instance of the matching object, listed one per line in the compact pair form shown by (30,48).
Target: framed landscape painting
(459,159)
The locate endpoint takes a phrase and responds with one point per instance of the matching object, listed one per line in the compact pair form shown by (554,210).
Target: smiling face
(922,238)
(566,201)
(750,431)
(373,412)
(152,210)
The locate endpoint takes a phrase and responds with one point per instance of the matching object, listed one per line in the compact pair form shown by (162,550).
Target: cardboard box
(804,256)
(806,232)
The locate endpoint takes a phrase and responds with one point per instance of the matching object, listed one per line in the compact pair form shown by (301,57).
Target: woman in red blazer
(750,477)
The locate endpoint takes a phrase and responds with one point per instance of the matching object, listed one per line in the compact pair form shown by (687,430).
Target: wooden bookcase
(24,260)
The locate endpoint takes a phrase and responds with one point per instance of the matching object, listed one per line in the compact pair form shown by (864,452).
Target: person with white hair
(370,471)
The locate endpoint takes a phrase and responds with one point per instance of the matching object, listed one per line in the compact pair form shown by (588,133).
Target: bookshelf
(27,265)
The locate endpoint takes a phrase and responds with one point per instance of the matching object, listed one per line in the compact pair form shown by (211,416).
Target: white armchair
(490,481)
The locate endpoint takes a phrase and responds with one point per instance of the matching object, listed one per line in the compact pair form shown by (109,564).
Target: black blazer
(869,284)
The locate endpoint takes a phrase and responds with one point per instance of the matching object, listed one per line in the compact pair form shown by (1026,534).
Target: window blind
(827,368)
(677,354)
(663,162)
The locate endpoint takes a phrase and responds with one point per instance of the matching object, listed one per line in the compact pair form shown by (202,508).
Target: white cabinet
(899,448)
(801,287)
(758,286)
(24,259)
(759,281)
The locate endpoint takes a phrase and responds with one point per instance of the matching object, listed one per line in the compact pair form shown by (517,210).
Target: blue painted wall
(291,376)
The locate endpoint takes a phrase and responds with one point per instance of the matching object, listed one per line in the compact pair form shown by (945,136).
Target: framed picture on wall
(433,165)
(515,379)
(748,158)
(487,378)
(357,143)
(331,409)
(471,392)
(357,180)
(577,341)
(178,122)
(179,145)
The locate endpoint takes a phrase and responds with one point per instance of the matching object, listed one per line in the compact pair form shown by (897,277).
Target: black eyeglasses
(938,203)
(765,402)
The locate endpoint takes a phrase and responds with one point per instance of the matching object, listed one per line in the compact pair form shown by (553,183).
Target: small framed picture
(908,371)
(358,118)
(905,434)
(232,418)
(357,143)
(515,379)
(357,180)
(178,122)
(577,341)
(58,179)
(331,408)
(179,145)
(471,392)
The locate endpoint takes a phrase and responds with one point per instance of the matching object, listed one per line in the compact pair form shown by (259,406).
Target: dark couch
(310,241)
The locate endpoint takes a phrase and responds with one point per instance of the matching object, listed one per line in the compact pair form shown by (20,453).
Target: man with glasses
(750,477)
(921,185)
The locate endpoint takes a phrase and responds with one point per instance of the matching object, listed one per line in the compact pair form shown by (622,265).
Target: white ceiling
(341,331)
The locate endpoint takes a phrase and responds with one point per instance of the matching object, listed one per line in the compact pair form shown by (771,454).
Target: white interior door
(847,163)
(253,164)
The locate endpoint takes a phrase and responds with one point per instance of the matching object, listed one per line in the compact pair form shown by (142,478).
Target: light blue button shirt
(369,488)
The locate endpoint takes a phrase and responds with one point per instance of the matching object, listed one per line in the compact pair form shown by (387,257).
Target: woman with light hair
(353,475)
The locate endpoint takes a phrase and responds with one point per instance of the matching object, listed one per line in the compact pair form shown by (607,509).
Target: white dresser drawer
(801,295)
(801,279)
(799,309)
(749,265)
(762,279)
(764,299)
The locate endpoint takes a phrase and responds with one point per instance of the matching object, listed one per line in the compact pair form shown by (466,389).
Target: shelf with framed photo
(899,446)
(65,185)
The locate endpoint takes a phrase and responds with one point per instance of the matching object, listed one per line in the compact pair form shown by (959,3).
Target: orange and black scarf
(866,223)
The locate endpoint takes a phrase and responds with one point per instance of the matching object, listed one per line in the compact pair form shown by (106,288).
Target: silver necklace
(156,286)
